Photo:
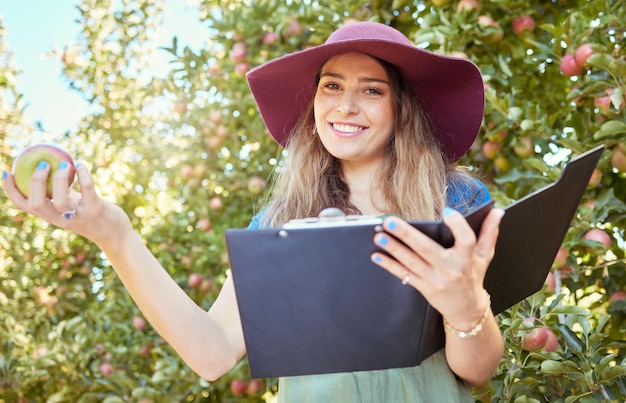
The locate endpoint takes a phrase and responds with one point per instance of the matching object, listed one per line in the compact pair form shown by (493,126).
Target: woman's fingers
(61,188)
(411,242)
(412,255)
(16,197)
(38,201)
(87,188)
(489,232)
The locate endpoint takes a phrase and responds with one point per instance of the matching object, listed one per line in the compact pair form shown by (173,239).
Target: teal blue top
(431,381)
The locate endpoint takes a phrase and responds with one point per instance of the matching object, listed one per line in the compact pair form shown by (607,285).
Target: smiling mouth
(348,129)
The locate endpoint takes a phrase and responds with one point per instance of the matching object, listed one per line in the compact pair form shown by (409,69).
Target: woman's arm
(210,342)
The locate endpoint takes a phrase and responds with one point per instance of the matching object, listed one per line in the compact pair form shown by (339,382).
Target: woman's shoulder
(256,221)
(465,192)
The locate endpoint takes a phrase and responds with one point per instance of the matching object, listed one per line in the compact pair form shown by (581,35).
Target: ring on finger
(69,214)
(406,279)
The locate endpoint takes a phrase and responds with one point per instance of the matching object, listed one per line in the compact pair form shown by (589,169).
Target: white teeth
(347,128)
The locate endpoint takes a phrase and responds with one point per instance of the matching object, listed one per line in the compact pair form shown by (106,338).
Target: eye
(373,91)
(330,85)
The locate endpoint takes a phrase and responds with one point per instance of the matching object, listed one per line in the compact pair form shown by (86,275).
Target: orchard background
(187,156)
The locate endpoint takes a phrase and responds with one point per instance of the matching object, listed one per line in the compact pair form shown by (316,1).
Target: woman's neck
(361,181)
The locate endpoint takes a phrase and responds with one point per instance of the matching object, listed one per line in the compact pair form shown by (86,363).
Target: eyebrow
(363,80)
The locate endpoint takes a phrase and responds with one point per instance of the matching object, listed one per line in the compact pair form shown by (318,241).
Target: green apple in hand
(26,163)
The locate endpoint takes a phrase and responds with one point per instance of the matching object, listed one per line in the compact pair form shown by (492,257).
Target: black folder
(311,301)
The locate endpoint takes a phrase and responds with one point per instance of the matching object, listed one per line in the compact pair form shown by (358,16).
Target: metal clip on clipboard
(333,217)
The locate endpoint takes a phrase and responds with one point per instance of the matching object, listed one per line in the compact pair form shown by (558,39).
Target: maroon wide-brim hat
(451,89)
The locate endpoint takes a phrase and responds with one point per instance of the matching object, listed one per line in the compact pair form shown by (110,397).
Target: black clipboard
(311,301)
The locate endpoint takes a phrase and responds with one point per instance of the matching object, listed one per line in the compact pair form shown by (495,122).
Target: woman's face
(354,109)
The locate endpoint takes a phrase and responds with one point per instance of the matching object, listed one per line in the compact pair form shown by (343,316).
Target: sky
(35,27)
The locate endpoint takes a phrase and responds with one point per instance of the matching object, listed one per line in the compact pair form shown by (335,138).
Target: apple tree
(187,156)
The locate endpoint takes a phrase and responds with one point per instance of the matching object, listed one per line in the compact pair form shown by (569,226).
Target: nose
(347,104)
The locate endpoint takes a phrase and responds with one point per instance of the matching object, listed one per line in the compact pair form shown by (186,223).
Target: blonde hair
(410,183)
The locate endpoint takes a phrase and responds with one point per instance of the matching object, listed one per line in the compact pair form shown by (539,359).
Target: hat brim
(451,89)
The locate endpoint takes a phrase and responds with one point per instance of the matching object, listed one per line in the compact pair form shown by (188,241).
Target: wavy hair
(411,182)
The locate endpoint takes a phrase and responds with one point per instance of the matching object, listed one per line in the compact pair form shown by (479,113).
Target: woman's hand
(451,279)
(82,212)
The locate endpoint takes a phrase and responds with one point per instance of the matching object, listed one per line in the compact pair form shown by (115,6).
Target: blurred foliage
(186,153)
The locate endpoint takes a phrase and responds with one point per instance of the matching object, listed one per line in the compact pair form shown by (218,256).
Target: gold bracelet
(476,329)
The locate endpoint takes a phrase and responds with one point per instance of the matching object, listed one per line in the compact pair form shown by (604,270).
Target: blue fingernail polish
(377,259)
(42,165)
(392,225)
(79,164)
(383,241)
(63,165)
(447,211)
(4,175)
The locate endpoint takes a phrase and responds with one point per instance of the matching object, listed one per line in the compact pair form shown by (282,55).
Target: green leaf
(602,321)
(573,341)
(525,399)
(558,367)
(617,97)
(570,310)
(601,60)
(617,371)
(608,63)
(504,66)
(610,128)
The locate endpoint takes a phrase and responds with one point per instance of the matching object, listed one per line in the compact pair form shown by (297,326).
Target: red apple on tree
(254,387)
(204,224)
(139,323)
(619,295)
(502,163)
(582,53)
(595,179)
(552,342)
(238,386)
(491,149)
(215,116)
(569,67)
(550,282)
(495,32)
(205,285)
(523,24)
(106,369)
(535,338)
(255,184)
(144,351)
(560,259)
(603,104)
(239,52)
(294,29)
(598,235)
(269,38)
(616,100)
(27,161)
(618,159)
(524,147)
(215,203)
(467,5)
(194,280)
(241,69)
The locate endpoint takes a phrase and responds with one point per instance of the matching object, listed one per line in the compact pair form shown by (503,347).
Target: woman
(372,125)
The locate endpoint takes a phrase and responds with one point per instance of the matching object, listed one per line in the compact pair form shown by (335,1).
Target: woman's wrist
(476,328)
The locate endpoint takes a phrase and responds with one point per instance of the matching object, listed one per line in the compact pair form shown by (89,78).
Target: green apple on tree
(27,161)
